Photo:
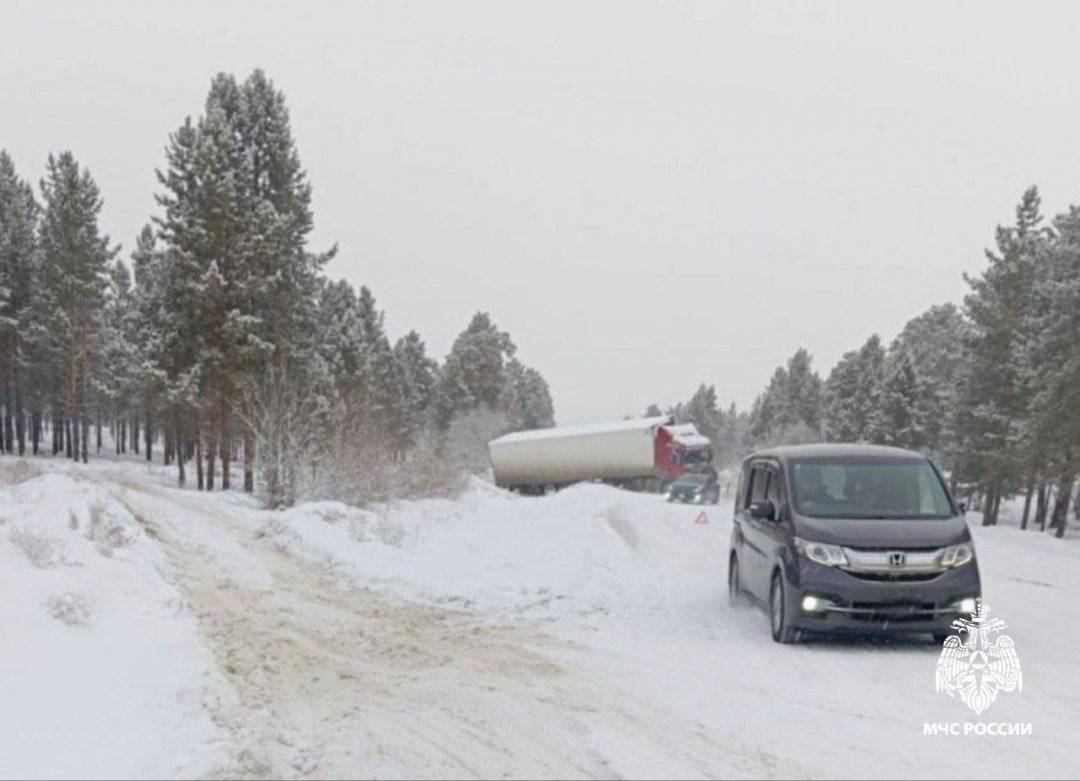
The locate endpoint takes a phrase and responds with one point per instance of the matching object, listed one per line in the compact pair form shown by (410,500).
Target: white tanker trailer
(641,454)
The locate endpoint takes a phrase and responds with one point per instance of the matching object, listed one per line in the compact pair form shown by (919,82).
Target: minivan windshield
(869,489)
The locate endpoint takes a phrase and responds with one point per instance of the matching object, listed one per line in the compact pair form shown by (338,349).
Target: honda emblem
(897,559)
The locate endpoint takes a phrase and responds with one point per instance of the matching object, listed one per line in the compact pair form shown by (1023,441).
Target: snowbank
(566,557)
(639,587)
(102,673)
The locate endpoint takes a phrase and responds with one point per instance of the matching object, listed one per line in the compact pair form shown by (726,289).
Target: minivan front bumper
(843,602)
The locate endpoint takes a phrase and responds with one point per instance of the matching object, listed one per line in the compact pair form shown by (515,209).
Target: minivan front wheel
(782,631)
(735,594)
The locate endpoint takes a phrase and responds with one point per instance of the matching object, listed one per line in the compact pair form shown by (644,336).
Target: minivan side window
(773,492)
(759,479)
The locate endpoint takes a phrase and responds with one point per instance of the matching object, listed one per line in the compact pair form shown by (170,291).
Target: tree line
(222,341)
(989,389)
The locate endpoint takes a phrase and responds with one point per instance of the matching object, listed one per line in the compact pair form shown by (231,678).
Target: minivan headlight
(957,555)
(820,552)
(965,605)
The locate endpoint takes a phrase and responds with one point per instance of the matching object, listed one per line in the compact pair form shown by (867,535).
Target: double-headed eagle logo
(975,666)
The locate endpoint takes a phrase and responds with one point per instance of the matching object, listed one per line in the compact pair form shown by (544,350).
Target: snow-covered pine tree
(367,395)
(278,279)
(869,380)
(237,218)
(526,398)
(790,410)
(1051,357)
(421,379)
(842,423)
(75,264)
(732,443)
(898,423)
(769,417)
(934,341)
(452,394)
(538,407)
(804,391)
(387,411)
(18,226)
(152,343)
(170,295)
(473,374)
(992,399)
(116,360)
(703,412)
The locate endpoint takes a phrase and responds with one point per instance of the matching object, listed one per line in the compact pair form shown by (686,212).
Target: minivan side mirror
(962,506)
(763,510)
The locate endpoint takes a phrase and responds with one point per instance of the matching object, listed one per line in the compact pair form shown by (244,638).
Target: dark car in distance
(850,538)
(697,488)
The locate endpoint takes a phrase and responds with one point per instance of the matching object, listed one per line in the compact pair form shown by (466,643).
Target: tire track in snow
(332,682)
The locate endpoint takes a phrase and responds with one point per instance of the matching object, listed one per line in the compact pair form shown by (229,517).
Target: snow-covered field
(584,634)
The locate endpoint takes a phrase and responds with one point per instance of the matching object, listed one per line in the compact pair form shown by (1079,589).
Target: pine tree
(237,217)
(790,410)
(804,394)
(116,360)
(1051,361)
(526,398)
(869,382)
(993,398)
(420,375)
(703,412)
(18,225)
(934,341)
(771,409)
(75,263)
(169,291)
(473,375)
(842,421)
(899,426)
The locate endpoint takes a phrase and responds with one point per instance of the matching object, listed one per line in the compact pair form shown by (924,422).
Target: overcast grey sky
(647,196)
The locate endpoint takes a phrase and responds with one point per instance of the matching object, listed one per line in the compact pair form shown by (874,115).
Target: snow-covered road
(584,634)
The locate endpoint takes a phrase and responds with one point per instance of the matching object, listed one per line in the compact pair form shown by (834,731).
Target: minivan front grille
(888,577)
(894,612)
(894,564)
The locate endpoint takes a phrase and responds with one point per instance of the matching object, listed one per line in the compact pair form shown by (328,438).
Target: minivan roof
(835,450)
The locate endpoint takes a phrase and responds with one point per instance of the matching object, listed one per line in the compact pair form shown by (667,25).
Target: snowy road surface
(584,634)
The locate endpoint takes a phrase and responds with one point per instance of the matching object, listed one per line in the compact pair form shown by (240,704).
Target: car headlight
(820,552)
(816,604)
(957,555)
(965,605)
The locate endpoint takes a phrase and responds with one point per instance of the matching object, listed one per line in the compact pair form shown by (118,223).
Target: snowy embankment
(102,671)
(639,587)
(584,634)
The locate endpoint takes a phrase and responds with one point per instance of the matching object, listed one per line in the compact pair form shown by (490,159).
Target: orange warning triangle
(702,518)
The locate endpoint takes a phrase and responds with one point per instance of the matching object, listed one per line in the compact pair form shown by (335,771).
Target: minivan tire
(735,592)
(779,623)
